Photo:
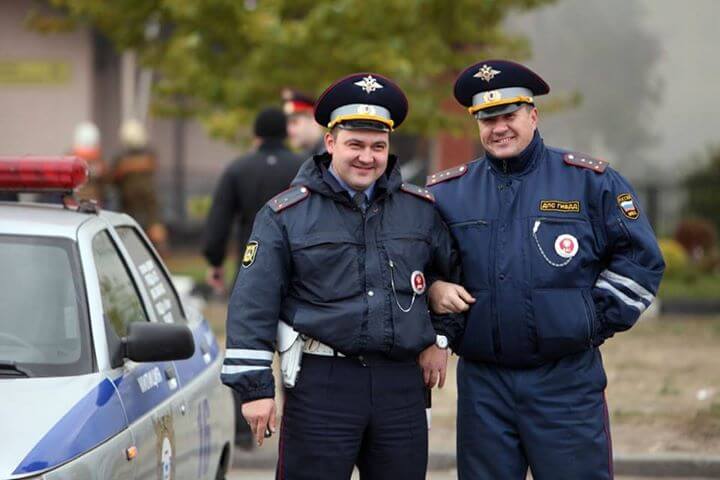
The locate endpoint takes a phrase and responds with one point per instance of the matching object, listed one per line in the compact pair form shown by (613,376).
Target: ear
(534,116)
(329,142)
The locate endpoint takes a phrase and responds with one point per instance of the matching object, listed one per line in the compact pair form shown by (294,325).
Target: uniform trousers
(344,412)
(552,419)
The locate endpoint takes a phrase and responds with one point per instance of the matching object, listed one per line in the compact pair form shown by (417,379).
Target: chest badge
(566,246)
(417,282)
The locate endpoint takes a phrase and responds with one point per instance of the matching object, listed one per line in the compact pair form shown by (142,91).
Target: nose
(365,155)
(500,127)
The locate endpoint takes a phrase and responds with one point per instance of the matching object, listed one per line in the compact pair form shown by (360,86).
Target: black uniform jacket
(318,262)
(244,187)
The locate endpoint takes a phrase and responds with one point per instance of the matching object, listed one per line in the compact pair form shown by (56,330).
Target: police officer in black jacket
(245,186)
(342,256)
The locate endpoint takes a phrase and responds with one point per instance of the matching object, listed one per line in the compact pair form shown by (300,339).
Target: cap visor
(499,110)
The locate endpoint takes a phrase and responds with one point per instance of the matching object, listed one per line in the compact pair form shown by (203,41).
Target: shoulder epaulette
(421,192)
(445,175)
(581,160)
(288,198)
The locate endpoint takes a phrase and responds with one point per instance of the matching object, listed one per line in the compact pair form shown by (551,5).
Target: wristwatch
(441,341)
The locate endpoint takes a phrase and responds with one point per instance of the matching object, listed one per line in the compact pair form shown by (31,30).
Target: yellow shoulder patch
(250,254)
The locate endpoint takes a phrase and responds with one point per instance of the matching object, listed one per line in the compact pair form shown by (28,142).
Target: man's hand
(260,415)
(215,277)
(433,361)
(446,297)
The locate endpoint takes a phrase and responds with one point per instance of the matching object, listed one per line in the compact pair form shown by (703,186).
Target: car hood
(44,422)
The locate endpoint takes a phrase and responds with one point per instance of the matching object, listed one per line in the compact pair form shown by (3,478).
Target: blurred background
(633,82)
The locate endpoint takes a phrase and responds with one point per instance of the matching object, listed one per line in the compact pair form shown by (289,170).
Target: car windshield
(44,327)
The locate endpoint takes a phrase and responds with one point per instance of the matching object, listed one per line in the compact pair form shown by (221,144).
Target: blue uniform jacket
(321,264)
(554,247)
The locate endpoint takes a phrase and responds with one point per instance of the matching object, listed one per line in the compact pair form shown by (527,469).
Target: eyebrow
(357,140)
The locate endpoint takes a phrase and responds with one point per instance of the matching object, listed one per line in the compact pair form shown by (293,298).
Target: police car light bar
(42,174)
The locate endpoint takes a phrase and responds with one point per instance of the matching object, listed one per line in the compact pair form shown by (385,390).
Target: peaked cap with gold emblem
(496,87)
(362,101)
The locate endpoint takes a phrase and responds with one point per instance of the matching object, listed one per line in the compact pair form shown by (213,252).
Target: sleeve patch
(583,161)
(445,175)
(423,193)
(288,198)
(627,206)
(250,254)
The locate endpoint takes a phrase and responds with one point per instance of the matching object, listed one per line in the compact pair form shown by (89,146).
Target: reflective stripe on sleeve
(624,298)
(232,369)
(247,354)
(630,284)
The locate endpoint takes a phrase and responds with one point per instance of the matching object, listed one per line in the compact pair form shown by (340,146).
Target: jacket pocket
(474,239)
(562,321)
(326,266)
(404,253)
(476,341)
(561,251)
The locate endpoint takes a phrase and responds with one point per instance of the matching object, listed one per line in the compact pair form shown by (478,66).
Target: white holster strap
(290,347)
(315,347)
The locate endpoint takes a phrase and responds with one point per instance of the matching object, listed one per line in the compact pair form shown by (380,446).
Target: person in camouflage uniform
(133,174)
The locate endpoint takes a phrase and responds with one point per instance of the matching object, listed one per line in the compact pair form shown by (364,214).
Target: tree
(226,58)
(703,194)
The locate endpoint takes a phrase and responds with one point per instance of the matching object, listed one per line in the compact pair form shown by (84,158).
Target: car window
(120,300)
(162,294)
(43,311)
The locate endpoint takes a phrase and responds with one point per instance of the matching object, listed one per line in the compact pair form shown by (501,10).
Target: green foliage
(227,58)
(703,194)
(676,259)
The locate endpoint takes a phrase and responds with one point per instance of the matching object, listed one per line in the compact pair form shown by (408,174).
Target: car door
(199,426)
(193,429)
(147,389)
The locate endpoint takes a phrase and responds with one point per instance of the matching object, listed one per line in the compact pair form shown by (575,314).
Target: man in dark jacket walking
(245,186)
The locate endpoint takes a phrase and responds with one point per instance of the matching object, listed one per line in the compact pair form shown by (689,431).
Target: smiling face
(359,157)
(507,135)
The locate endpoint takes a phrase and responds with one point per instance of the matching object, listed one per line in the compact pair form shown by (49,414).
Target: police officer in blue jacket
(558,257)
(342,257)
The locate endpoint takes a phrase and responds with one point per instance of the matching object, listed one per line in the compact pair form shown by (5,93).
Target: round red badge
(566,245)
(417,282)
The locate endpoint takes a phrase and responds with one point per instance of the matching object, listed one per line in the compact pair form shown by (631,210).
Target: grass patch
(700,287)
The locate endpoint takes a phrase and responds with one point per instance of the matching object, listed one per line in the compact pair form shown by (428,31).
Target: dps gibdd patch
(627,206)
(572,206)
(250,254)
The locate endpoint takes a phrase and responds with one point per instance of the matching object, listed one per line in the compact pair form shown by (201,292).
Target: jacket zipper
(589,320)
(465,224)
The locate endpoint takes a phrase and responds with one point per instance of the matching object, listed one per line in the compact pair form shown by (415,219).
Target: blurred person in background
(304,134)
(244,187)
(133,173)
(559,257)
(86,145)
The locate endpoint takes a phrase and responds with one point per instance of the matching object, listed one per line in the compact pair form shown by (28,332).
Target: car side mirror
(156,342)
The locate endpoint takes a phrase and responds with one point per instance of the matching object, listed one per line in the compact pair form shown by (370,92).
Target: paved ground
(451,475)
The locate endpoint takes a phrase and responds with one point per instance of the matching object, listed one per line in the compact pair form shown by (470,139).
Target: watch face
(441,341)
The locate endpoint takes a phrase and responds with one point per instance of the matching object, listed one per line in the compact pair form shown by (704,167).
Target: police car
(104,372)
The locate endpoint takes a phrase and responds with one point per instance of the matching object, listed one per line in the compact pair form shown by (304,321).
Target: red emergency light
(42,174)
